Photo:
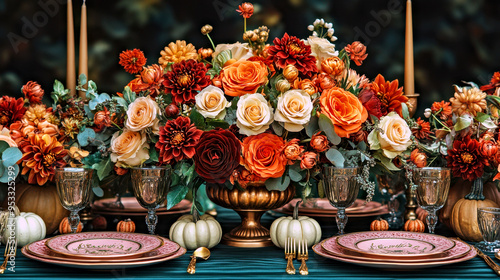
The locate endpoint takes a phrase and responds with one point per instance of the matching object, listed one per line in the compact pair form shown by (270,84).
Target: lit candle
(70,54)
(83,59)
(409,86)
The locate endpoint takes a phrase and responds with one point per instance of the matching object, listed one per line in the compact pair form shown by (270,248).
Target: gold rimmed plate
(104,245)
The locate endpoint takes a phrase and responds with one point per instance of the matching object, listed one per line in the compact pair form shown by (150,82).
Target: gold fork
(488,260)
(10,250)
(290,255)
(303,255)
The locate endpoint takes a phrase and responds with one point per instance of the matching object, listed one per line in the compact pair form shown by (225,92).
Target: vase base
(230,240)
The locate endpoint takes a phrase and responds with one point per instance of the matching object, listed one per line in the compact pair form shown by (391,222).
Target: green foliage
(85,137)
(197,119)
(60,93)
(103,168)
(8,165)
(175,195)
(335,157)
(278,184)
(326,125)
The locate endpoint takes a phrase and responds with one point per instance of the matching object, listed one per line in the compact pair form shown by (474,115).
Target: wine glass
(74,187)
(341,188)
(433,184)
(151,185)
(391,187)
(488,219)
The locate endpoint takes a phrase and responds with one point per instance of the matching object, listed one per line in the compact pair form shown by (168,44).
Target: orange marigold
(177,52)
(357,52)
(41,157)
(442,109)
(422,129)
(390,95)
(132,60)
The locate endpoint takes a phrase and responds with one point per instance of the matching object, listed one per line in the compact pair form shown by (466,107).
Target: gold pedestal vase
(250,204)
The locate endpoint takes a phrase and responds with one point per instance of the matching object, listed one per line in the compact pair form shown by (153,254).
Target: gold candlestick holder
(411,196)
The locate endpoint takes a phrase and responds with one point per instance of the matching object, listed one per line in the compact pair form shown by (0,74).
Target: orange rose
(344,109)
(243,77)
(293,151)
(263,155)
(319,142)
(418,158)
(309,160)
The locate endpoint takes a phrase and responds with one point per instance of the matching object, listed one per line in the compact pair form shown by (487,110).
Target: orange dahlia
(37,113)
(494,83)
(442,109)
(151,80)
(33,92)
(177,52)
(390,95)
(422,129)
(291,50)
(357,52)
(178,139)
(132,60)
(465,159)
(186,79)
(11,110)
(41,157)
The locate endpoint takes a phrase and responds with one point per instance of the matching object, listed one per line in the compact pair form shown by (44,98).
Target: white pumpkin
(28,227)
(298,227)
(192,231)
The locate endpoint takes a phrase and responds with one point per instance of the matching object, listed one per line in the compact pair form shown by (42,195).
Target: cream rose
(142,113)
(129,148)
(254,114)
(238,50)
(5,136)
(321,48)
(393,136)
(211,103)
(294,110)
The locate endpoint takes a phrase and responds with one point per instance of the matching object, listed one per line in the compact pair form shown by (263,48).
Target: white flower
(254,114)
(393,135)
(294,109)
(129,148)
(321,48)
(211,103)
(238,50)
(315,34)
(427,113)
(333,39)
(330,33)
(310,27)
(322,21)
(328,25)
(142,113)
(316,22)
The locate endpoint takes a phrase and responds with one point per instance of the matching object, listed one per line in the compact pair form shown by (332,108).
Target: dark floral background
(454,40)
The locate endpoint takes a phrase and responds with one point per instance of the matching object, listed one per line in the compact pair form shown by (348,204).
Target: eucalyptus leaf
(278,128)
(312,126)
(120,101)
(326,125)
(294,175)
(335,157)
(404,109)
(176,195)
(9,175)
(11,156)
(3,146)
(463,122)
(104,168)
(278,184)
(84,136)
(82,79)
(98,191)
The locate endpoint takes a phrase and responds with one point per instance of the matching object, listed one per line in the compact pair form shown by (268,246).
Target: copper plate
(132,205)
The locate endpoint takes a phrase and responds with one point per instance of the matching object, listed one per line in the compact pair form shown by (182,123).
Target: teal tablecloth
(257,263)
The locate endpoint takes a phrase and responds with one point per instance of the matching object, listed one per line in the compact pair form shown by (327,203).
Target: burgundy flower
(178,139)
(465,159)
(291,50)
(185,80)
(217,155)
(371,102)
(11,110)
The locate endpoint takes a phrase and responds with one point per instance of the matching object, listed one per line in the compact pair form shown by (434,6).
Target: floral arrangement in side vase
(255,112)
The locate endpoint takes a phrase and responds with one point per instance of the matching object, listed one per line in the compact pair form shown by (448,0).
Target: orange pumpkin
(414,226)
(458,191)
(126,226)
(65,227)
(422,214)
(42,201)
(379,224)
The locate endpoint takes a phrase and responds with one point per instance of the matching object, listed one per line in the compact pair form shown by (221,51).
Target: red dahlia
(132,60)
(422,130)
(178,139)
(291,50)
(494,83)
(11,110)
(185,80)
(33,92)
(465,159)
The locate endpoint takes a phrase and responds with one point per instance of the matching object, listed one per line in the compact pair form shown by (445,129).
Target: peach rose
(211,103)
(263,155)
(253,114)
(309,160)
(319,142)
(294,110)
(344,109)
(243,77)
(142,113)
(5,136)
(129,148)
(393,135)
(418,158)
(293,151)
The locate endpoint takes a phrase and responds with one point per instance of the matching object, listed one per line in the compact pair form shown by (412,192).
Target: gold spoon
(202,253)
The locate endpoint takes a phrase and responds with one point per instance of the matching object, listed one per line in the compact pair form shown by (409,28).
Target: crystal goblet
(151,185)
(433,185)
(74,187)
(341,188)
(488,219)
(391,187)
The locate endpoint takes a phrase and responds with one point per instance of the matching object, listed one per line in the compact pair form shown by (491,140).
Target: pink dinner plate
(391,265)
(103,245)
(39,249)
(330,245)
(382,211)
(395,244)
(103,265)
(132,205)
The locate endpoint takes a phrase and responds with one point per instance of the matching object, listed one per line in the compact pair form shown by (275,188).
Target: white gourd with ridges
(29,227)
(191,234)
